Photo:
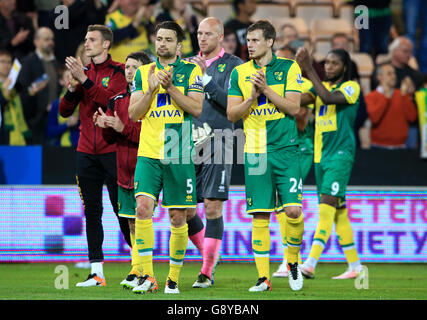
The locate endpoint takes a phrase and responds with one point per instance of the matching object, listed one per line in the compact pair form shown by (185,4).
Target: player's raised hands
(153,81)
(165,78)
(99,118)
(201,62)
(115,122)
(258,80)
(76,67)
(303,58)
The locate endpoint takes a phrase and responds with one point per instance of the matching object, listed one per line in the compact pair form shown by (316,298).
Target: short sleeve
(195,83)
(351,91)
(294,78)
(137,81)
(233,85)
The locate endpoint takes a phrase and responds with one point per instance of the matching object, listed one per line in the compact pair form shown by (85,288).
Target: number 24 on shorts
(294,182)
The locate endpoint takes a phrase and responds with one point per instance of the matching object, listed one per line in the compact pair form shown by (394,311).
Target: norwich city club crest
(136,183)
(278,75)
(249,201)
(221,67)
(105,81)
(180,77)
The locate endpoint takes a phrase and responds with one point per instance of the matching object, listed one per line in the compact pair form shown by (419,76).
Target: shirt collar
(41,57)
(159,66)
(273,60)
(210,61)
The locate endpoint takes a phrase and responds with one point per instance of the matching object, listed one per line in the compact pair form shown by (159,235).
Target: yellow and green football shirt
(334,124)
(166,128)
(266,128)
(306,137)
(118,20)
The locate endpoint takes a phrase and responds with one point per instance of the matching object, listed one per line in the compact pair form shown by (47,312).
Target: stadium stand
(365,66)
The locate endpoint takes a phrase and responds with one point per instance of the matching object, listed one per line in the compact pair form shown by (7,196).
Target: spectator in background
(341,41)
(39,69)
(244,9)
(288,34)
(229,42)
(289,37)
(132,27)
(44,7)
(29,9)
(390,110)
(401,52)
(62,131)
(15,131)
(181,13)
(16,30)
(413,12)
(374,39)
(81,13)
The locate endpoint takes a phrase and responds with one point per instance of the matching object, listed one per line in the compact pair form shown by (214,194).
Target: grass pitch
(232,281)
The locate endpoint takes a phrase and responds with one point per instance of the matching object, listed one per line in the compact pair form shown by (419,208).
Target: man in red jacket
(92,88)
(119,129)
(390,110)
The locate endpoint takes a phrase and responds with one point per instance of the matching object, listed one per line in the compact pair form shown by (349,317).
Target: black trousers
(92,172)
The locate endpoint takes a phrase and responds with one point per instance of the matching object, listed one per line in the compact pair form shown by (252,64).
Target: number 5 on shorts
(189,186)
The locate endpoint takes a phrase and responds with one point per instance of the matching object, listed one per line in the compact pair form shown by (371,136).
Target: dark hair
(172,25)
(288,48)
(424,78)
(106,32)
(140,56)
(228,31)
(5,52)
(266,27)
(346,60)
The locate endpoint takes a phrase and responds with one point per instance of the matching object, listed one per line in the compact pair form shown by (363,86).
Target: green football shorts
(126,203)
(306,161)
(332,177)
(268,174)
(178,182)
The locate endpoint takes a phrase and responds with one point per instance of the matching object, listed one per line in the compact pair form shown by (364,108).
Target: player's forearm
(237,111)
(186,103)
(285,105)
(217,94)
(138,107)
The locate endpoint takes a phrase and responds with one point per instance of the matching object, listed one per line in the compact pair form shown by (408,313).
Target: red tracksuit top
(105,80)
(127,141)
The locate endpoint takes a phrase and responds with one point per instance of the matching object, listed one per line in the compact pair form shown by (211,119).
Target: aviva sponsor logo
(264,111)
(164,114)
(324,123)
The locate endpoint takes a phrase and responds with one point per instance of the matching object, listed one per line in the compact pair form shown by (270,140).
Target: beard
(165,54)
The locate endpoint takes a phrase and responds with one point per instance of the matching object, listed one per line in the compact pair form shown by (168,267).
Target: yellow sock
(294,234)
(281,218)
(323,230)
(261,246)
(177,246)
(144,240)
(345,236)
(136,261)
